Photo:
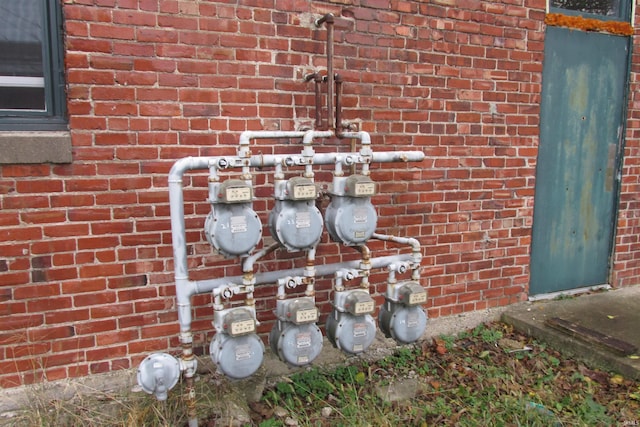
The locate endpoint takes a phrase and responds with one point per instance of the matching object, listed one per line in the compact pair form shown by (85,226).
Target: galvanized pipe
(416,250)
(339,127)
(269,277)
(365,149)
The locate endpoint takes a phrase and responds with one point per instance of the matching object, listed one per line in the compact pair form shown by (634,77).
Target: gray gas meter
(236,348)
(350,326)
(232,227)
(402,316)
(295,221)
(350,217)
(295,337)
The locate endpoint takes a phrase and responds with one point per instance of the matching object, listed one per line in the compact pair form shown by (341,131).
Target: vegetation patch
(490,375)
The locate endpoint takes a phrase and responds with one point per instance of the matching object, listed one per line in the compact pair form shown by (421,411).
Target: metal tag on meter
(235,191)
(359,186)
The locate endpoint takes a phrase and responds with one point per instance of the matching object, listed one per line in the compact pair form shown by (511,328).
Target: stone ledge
(35,147)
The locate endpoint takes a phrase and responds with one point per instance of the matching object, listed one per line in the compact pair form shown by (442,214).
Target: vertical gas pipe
(329,20)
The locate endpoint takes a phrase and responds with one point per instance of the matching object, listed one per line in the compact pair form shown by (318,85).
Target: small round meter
(351,334)
(295,221)
(298,345)
(403,324)
(350,217)
(233,229)
(296,224)
(237,357)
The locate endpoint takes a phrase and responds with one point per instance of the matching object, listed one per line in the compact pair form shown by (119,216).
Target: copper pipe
(328,19)
(318,83)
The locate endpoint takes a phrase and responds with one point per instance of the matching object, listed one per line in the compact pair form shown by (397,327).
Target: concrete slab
(615,313)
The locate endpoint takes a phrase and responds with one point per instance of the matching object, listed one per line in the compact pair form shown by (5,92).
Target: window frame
(54,117)
(625,14)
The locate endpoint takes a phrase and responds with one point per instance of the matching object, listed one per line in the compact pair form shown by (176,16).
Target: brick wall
(626,256)
(86,269)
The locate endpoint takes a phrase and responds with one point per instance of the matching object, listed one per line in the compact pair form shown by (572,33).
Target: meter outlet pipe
(416,250)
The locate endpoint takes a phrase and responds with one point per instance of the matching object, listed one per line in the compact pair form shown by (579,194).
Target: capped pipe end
(328,18)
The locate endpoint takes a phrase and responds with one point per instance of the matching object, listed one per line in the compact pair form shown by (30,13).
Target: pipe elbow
(178,169)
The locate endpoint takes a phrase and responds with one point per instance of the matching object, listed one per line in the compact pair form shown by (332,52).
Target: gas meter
(295,337)
(295,221)
(232,227)
(350,326)
(402,317)
(350,217)
(236,348)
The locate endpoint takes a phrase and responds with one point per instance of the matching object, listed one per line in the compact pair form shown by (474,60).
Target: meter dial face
(304,192)
(238,194)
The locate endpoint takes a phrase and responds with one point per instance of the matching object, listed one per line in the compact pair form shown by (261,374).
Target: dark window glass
(596,7)
(21,69)
(31,72)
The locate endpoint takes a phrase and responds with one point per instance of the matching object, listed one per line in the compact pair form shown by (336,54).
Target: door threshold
(569,292)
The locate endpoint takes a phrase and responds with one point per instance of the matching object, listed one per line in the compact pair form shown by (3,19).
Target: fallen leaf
(634,357)
(440,346)
(611,317)
(616,379)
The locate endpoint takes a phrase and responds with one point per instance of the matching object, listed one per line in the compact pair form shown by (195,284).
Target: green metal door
(581,126)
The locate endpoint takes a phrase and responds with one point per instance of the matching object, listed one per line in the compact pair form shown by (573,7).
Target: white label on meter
(412,320)
(238,224)
(365,189)
(303,219)
(309,315)
(418,298)
(238,194)
(359,330)
(364,307)
(304,192)
(242,327)
(303,340)
(360,215)
(243,352)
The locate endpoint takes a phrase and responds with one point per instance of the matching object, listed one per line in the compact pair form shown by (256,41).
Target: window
(606,9)
(32,95)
